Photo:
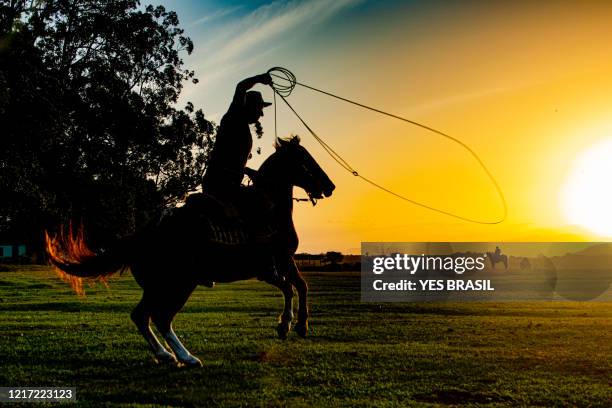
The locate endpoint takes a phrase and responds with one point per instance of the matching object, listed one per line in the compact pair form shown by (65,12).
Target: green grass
(358,354)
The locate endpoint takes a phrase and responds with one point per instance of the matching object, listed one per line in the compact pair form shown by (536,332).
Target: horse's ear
(280,142)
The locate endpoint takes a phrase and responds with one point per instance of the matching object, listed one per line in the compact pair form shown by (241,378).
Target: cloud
(266,26)
(232,67)
(457,99)
(216,15)
(247,40)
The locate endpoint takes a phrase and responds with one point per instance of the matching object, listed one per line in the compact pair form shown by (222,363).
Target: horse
(152,254)
(494,258)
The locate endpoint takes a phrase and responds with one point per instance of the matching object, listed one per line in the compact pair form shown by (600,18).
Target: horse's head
(293,164)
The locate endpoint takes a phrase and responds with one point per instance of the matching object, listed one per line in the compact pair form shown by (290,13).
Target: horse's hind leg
(141,316)
(296,279)
(167,306)
(284,320)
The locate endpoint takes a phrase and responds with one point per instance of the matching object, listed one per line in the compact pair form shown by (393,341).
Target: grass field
(358,354)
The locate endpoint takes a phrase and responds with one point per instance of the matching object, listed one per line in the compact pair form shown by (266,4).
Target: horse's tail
(73,261)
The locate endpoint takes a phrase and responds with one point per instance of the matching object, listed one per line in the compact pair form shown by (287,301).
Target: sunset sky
(526,84)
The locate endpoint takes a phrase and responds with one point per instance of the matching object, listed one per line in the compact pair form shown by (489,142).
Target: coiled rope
(284,89)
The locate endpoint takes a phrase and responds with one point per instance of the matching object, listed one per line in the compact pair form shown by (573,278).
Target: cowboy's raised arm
(246,84)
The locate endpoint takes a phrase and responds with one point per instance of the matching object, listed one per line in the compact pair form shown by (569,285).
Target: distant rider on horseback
(227,162)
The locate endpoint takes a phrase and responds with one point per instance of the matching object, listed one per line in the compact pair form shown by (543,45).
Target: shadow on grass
(460,397)
(138,379)
(127,305)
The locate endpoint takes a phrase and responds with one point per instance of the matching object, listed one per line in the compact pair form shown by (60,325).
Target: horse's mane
(284,140)
(272,161)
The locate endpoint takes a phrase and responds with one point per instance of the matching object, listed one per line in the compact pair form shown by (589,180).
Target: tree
(334,257)
(89,126)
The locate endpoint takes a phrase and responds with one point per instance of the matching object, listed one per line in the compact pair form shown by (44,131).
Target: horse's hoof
(166,359)
(191,362)
(282,329)
(302,329)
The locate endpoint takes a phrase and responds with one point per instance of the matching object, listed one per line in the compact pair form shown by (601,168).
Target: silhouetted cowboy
(227,161)
(233,143)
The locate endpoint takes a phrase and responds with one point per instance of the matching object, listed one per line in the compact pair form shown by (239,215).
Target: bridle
(311,197)
(309,174)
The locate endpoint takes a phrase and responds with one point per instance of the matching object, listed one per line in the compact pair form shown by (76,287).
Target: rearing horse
(179,245)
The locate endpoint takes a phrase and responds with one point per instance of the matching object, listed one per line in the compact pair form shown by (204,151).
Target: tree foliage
(334,257)
(89,128)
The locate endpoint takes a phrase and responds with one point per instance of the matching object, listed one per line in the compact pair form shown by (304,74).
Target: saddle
(237,236)
(241,220)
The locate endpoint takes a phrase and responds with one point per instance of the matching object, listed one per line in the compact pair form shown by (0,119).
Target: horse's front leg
(296,279)
(285,319)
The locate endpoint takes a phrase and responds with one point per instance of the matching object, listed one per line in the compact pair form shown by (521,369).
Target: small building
(12,252)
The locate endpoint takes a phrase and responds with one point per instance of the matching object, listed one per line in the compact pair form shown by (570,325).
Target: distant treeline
(331,261)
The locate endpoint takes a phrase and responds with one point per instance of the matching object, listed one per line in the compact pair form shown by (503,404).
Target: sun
(586,197)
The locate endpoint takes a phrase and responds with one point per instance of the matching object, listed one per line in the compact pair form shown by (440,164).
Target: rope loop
(287,84)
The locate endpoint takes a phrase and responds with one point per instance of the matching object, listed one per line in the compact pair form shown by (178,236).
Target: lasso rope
(284,89)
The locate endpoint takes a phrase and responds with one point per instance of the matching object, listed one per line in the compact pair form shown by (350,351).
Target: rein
(311,199)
